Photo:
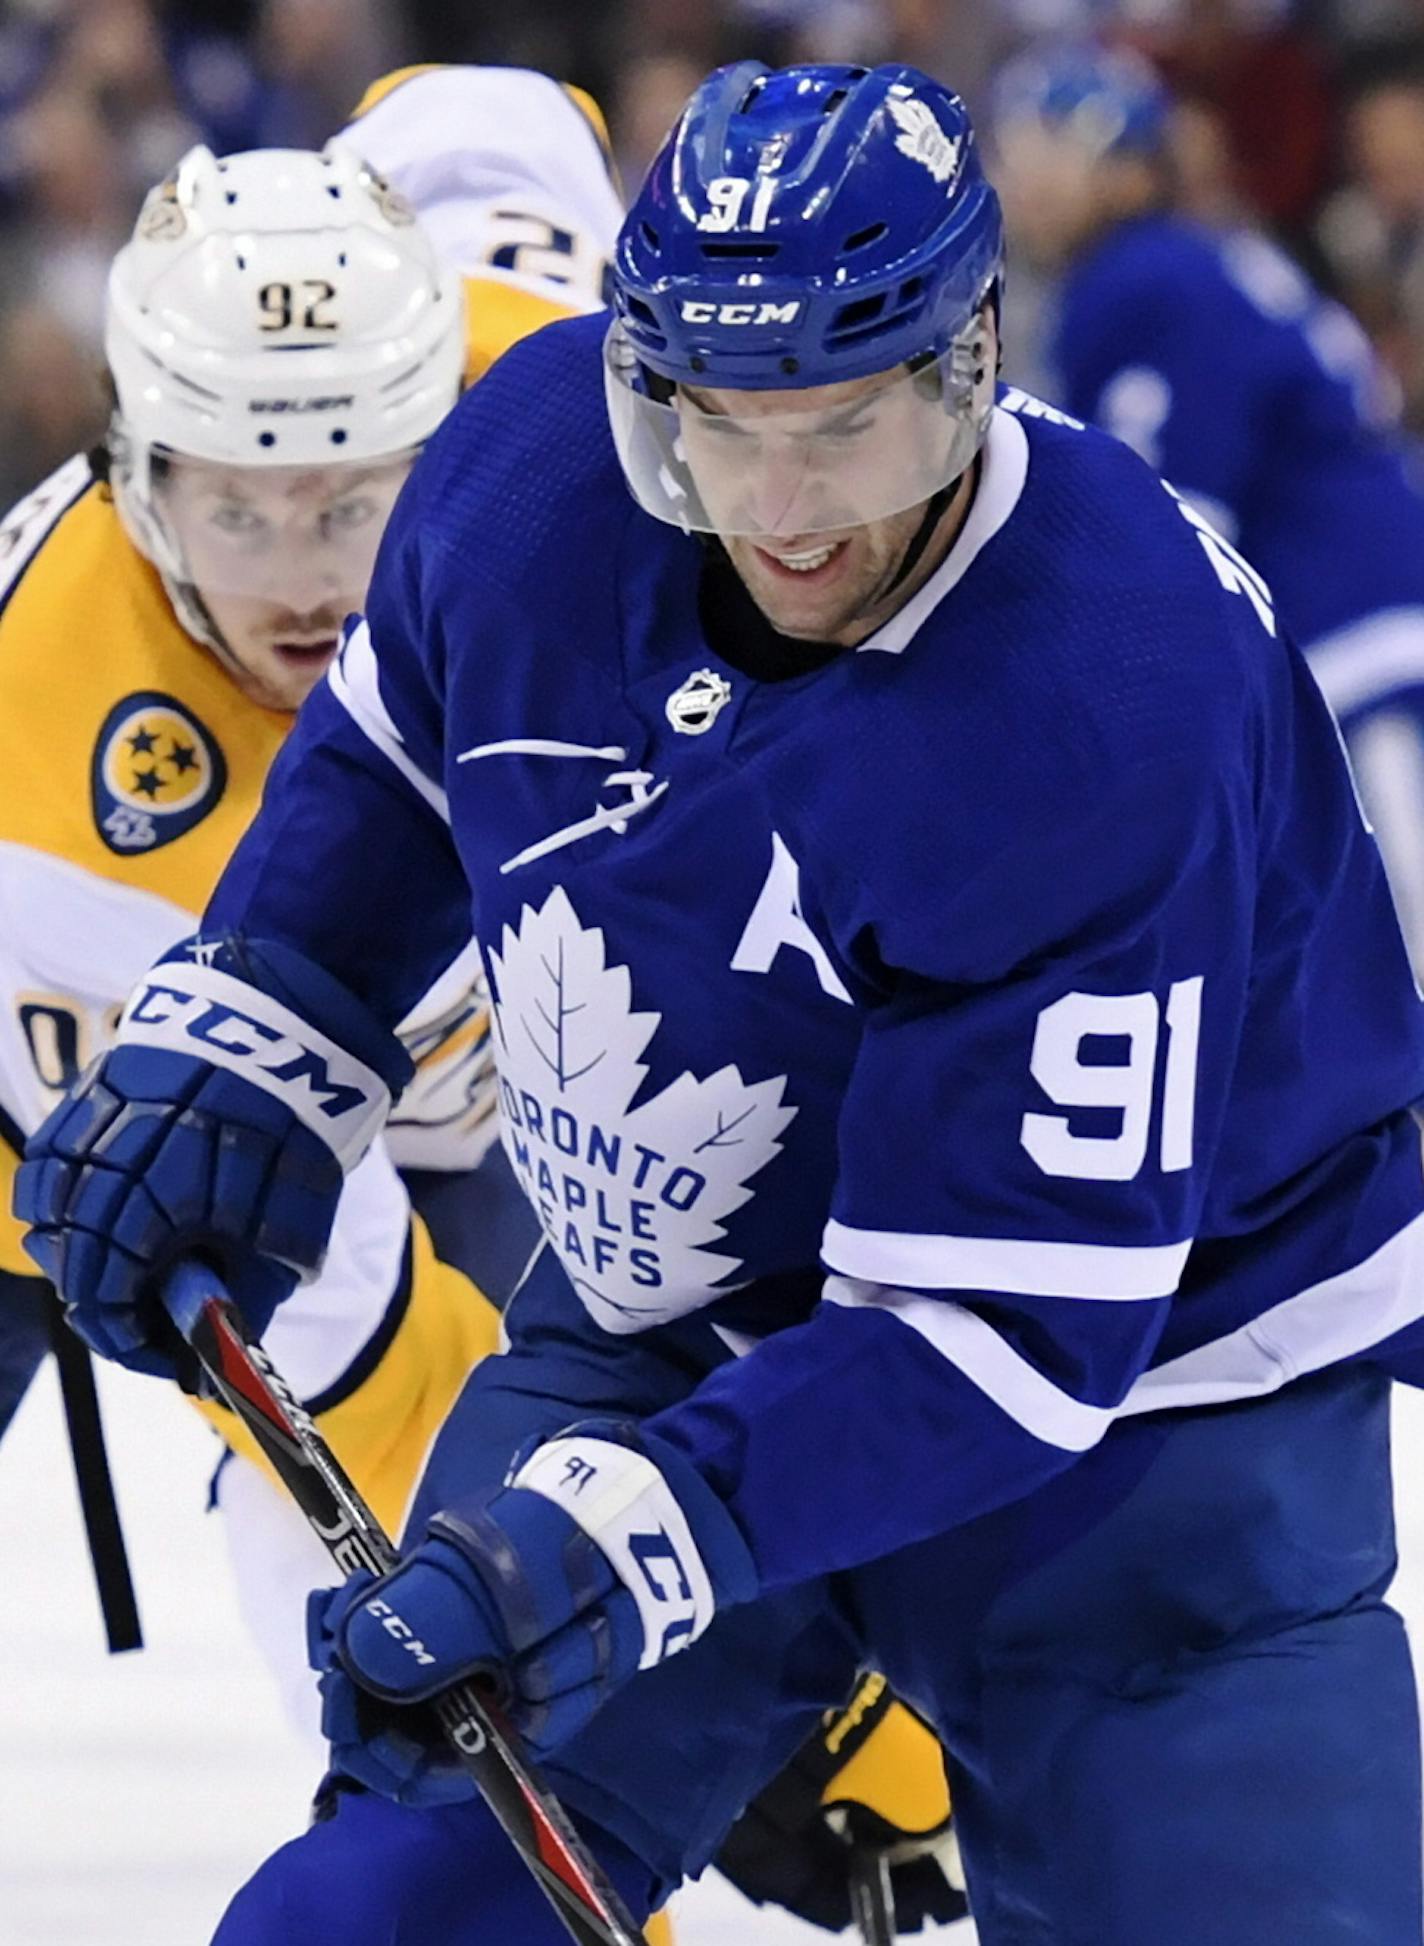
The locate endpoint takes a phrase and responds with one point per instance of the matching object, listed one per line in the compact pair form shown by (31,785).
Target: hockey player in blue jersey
(1212,354)
(954,1029)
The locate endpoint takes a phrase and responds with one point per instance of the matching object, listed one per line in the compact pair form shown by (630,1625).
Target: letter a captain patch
(777,921)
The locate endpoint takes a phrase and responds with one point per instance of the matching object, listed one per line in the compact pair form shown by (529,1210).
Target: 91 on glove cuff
(586,1567)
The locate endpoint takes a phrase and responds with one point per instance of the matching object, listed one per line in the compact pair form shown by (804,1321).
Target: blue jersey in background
(1217,360)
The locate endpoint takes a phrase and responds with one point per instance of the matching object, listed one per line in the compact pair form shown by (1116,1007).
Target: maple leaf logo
(921,137)
(633,1199)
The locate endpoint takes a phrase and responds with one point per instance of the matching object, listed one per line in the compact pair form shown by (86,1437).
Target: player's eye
(849,429)
(237,521)
(347,516)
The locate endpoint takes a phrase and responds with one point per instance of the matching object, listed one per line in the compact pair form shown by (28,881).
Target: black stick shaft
(534,1820)
(872,1897)
(107,1549)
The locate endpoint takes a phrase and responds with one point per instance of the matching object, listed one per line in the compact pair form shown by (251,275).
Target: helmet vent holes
(341,261)
(859,239)
(864,310)
(750,96)
(759,251)
(334,191)
(231,195)
(833,100)
(868,317)
(650,236)
(242,263)
(641,311)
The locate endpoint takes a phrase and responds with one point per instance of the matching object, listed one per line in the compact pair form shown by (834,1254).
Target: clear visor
(737,462)
(300,539)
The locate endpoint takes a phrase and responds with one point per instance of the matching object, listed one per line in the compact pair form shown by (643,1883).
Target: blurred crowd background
(1304,116)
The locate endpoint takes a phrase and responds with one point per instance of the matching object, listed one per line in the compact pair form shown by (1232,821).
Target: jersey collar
(1000,485)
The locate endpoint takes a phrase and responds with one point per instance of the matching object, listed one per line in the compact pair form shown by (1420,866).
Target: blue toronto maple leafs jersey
(997,1028)
(1214,357)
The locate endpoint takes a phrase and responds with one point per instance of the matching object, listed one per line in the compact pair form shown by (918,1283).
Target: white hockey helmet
(276,309)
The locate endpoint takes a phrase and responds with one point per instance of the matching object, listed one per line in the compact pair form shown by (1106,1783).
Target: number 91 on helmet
(804,293)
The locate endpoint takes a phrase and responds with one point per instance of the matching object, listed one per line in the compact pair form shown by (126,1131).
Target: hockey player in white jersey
(954,1030)
(284,331)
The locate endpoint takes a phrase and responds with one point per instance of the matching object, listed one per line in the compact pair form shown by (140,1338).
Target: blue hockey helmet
(1108,100)
(798,230)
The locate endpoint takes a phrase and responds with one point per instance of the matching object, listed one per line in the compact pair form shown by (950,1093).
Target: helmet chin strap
(920,539)
(186,601)
(935,509)
(158,546)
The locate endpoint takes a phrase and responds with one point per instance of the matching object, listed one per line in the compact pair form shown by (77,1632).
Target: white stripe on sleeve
(1339,1318)
(355,684)
(1357,665)
(974,1348)
(1009,1265)
(1330,1321)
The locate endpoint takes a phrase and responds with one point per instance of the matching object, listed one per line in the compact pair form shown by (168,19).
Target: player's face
(794,468)
(279,556)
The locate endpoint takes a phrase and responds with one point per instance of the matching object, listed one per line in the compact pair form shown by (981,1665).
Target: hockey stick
(107,1550)
(872,1896)
(533,1819)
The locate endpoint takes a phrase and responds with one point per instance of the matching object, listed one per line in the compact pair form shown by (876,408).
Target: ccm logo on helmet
(333,402)
(697,311)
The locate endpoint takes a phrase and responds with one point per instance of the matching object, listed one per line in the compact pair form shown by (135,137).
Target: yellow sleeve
(498,315)
(382,1431)
(12,1256)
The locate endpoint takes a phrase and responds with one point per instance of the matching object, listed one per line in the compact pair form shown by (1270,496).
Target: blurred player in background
(1212,355)
(285,331)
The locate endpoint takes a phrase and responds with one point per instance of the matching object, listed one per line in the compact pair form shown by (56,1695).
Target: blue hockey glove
(603,1554)
(244,1082)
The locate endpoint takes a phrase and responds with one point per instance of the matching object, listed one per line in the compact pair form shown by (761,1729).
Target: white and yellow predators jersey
(131,764)
(513,179)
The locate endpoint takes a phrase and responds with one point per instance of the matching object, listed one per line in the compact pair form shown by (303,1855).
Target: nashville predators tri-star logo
(157,771)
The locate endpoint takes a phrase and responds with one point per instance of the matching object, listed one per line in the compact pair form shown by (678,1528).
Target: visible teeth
(809,559)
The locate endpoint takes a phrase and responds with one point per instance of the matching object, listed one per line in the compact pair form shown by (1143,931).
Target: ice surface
(137,1792)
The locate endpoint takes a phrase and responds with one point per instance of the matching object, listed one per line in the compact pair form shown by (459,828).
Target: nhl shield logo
(695,705)
(156,773)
